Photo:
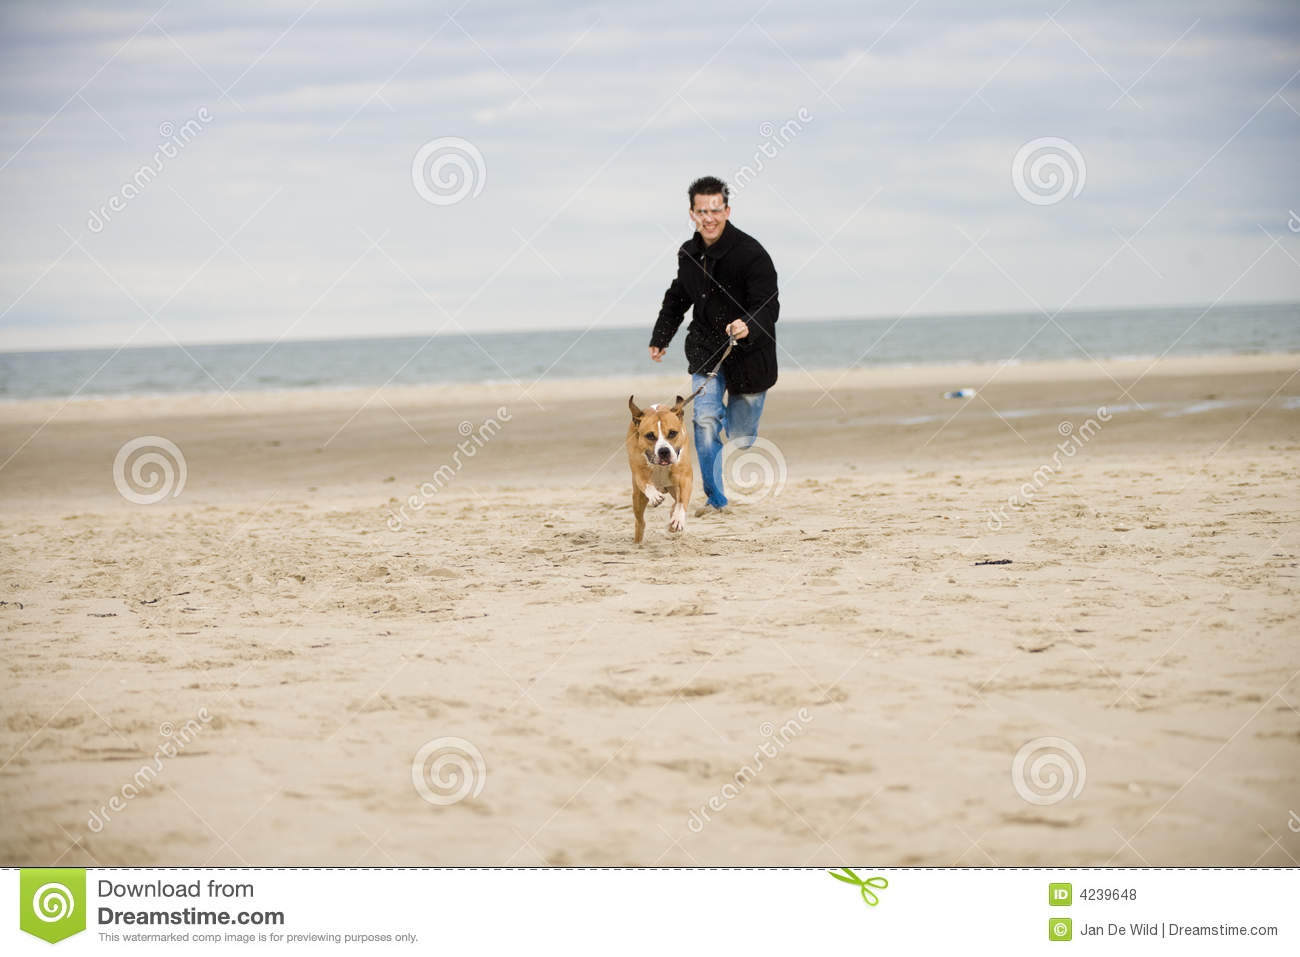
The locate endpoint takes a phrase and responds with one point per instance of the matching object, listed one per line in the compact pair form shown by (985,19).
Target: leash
(731,344)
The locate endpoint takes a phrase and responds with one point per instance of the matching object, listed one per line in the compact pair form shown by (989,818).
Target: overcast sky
(881,138)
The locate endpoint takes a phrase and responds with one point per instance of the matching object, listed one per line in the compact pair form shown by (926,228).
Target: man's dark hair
(708,186)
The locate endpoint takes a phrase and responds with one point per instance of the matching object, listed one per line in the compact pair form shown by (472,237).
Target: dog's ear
(678,406)
(636,413)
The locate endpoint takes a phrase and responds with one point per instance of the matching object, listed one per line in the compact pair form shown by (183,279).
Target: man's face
(710,215)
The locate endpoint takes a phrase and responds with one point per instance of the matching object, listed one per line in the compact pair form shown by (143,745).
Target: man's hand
(738,329)
(658,354)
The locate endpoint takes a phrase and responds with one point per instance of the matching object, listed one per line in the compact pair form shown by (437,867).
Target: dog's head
(660,434)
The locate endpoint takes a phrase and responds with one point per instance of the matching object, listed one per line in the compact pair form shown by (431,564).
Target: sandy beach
(825,675)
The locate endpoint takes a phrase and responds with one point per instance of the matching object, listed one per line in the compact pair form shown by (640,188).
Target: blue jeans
(738,418)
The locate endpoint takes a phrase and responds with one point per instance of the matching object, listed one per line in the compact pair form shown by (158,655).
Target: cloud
(590,120)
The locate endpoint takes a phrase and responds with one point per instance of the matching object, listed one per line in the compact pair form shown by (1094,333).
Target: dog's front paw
(678,522)
(654,496)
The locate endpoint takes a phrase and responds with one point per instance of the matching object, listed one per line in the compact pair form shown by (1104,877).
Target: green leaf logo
(868,894)
(52,902)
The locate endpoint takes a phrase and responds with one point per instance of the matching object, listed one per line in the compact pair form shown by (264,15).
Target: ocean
(572,353)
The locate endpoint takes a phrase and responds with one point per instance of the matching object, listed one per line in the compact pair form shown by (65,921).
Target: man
(729,282)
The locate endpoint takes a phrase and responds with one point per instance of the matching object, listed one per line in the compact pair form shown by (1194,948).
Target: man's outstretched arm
(674,307)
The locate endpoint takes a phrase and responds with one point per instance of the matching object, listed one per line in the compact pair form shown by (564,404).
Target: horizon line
(983,314)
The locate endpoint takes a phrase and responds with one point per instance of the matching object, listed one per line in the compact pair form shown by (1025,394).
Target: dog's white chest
(661,477)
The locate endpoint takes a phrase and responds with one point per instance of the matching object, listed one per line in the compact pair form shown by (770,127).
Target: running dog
(659,456)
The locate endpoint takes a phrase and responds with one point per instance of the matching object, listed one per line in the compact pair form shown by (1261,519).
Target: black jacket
(732,279)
